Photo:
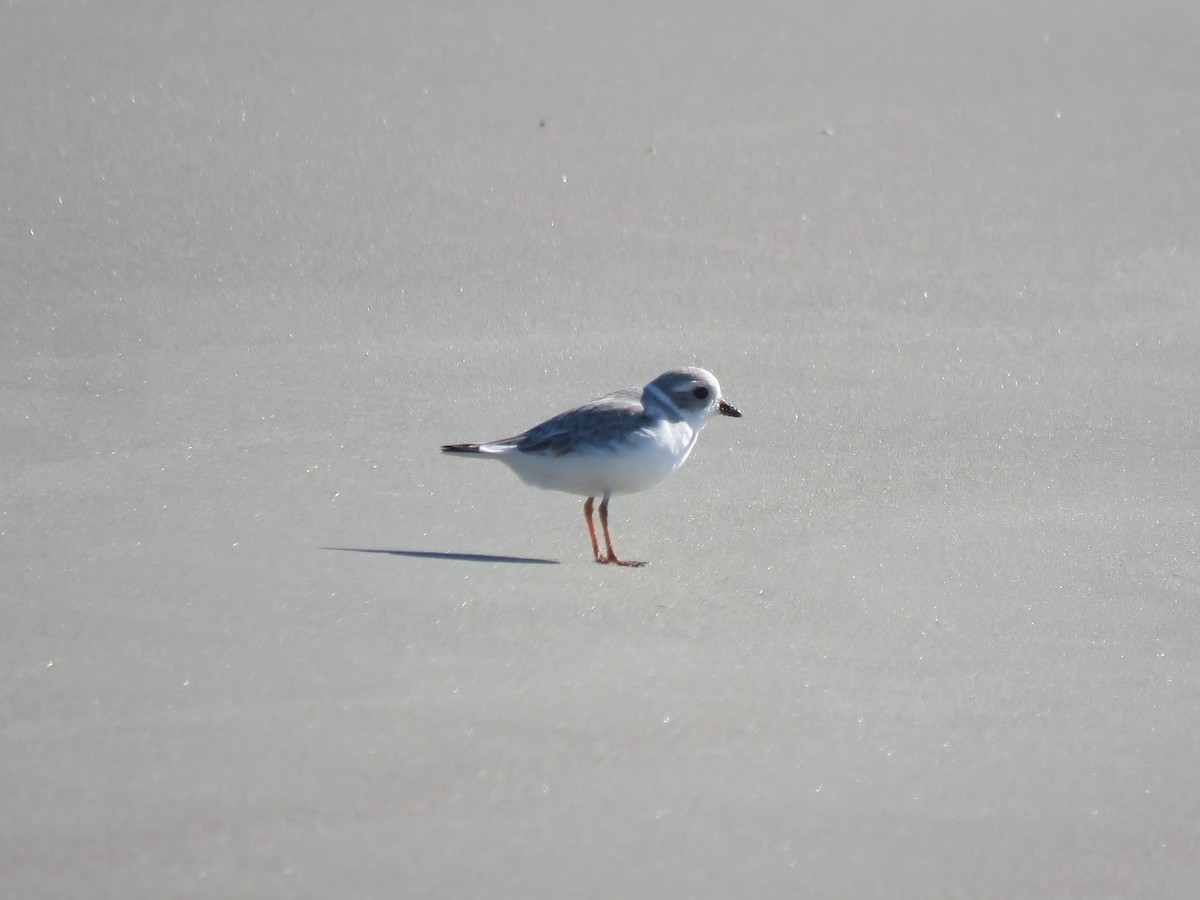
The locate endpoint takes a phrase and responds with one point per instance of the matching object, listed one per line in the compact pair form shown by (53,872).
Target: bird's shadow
(459,557)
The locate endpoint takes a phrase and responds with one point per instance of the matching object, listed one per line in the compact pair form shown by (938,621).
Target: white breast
(635,465)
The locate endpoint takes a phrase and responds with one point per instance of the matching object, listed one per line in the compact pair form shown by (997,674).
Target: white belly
(624,469)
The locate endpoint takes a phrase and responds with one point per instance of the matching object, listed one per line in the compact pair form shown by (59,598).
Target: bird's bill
(728,409)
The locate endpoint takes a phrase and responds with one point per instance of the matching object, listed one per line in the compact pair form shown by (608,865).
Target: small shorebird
(621,443)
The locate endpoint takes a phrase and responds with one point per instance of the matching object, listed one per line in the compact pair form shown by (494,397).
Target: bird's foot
(630,563)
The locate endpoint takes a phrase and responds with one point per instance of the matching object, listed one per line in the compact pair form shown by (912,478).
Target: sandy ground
(922,624)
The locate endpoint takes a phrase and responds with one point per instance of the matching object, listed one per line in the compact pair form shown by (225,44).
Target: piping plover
(619,444)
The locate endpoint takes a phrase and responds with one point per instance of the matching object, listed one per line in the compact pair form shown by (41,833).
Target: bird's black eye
(700,393)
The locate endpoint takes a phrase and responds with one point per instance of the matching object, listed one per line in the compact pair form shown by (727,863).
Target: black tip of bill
(727,409)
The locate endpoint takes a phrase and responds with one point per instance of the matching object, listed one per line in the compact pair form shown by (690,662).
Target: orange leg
(612,556)
(587,514)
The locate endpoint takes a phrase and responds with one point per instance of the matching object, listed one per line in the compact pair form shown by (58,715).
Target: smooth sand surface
(922,624)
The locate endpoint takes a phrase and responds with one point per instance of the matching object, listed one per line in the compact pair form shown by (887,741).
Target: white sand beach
(923,623)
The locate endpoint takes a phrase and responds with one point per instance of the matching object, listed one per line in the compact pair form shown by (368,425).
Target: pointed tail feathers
(461,448)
